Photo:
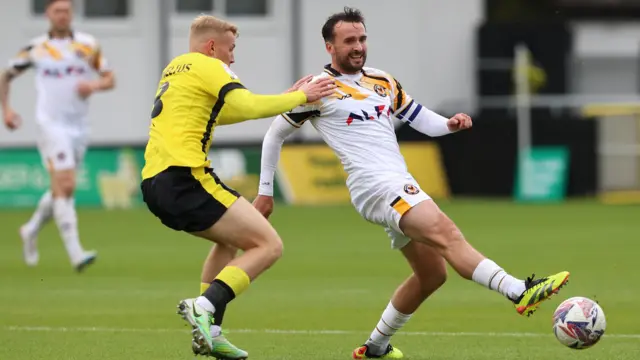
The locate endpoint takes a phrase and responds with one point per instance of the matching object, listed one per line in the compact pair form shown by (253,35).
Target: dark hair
(350,15)
(51,2)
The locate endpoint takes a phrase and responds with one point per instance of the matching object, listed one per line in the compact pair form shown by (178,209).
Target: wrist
(302,95)
(265,188)
(96,85)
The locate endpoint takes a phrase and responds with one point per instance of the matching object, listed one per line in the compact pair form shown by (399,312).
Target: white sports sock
(489,274)
(43,213)
(64,213)
(204,303)
(390,322)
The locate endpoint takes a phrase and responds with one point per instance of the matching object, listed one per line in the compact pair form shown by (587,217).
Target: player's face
(60,14)
(349,46)
(223,47)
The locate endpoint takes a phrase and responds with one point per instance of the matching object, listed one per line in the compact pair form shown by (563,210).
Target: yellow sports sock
(204,287)
(235,278)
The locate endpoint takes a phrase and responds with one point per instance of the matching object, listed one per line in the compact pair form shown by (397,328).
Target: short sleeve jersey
(188,103)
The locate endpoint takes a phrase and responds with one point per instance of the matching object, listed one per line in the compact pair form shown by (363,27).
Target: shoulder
(377,73)
(36,41)
(208,64)
(320,76)
(85,39)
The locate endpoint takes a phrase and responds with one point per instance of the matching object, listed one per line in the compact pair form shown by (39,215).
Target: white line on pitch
(296,332)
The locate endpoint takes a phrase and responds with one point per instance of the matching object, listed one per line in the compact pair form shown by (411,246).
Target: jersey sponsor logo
(411,189)
(339,96)
(379,111)
(62,72)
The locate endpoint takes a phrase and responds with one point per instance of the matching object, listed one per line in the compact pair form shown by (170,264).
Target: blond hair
(207,25)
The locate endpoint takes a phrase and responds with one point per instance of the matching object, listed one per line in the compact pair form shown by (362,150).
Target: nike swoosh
(194,311)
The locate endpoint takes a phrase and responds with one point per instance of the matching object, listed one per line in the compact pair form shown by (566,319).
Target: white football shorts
(384,203)
(60,148)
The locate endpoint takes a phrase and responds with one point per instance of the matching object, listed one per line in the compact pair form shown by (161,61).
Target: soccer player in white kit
(357,124)
(66,63)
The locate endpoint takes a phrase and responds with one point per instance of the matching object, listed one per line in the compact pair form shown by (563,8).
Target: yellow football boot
(538,291)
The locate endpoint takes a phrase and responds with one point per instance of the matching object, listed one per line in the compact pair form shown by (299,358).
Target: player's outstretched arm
(247,105)
(271,147)
(430,123)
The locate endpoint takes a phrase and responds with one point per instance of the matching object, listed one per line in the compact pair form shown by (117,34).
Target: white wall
(427,44)
(606,58)
(263,61)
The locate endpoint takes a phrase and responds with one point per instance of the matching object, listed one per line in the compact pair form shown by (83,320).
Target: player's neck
(337,68)
(58,34)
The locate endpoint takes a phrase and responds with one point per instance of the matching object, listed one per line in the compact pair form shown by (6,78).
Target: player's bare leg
(429,274)
(63,184)
(425,222)
(241,227)
(219,256)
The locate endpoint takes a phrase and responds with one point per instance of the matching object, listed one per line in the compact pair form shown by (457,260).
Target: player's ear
(329,46)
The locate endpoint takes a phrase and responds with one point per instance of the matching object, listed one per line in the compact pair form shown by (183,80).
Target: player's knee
(63,184)
(274,249)
(433,279)
(439,275)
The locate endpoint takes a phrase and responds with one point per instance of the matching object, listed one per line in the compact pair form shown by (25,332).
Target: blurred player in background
(356,122)
(197,92)
(66,62)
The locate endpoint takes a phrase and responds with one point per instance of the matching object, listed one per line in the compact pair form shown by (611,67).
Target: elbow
(5,77)
(272,139)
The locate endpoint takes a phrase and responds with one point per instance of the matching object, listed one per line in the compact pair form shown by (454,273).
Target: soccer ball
(579,323)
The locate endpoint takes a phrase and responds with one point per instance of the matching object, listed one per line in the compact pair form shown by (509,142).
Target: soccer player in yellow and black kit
(197,92)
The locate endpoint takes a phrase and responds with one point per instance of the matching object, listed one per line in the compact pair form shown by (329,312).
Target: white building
(429,45)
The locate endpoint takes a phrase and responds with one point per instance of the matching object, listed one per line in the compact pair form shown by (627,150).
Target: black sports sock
(219,294)
(219,315)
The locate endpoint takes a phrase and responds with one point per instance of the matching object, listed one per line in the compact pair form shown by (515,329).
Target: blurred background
(552,86)
(555,81)
(570,115)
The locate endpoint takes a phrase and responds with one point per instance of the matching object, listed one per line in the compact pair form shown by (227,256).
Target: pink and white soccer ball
(579,323)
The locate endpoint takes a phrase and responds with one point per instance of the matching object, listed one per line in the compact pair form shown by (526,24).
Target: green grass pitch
(326,294)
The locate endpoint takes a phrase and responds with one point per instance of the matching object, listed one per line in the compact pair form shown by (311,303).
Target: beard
(351,65)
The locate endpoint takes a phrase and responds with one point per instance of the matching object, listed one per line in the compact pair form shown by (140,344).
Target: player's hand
(299,83)
(459,122)
(11,119)
(318,89)
(264,204)
(86,88)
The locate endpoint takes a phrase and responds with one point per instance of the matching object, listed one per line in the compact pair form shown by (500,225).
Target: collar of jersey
(50,34)
(335,73)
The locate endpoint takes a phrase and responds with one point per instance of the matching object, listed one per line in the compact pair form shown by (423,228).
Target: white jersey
(60,64)
(357,124)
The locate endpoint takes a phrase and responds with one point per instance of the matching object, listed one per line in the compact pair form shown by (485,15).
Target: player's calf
(219,257)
